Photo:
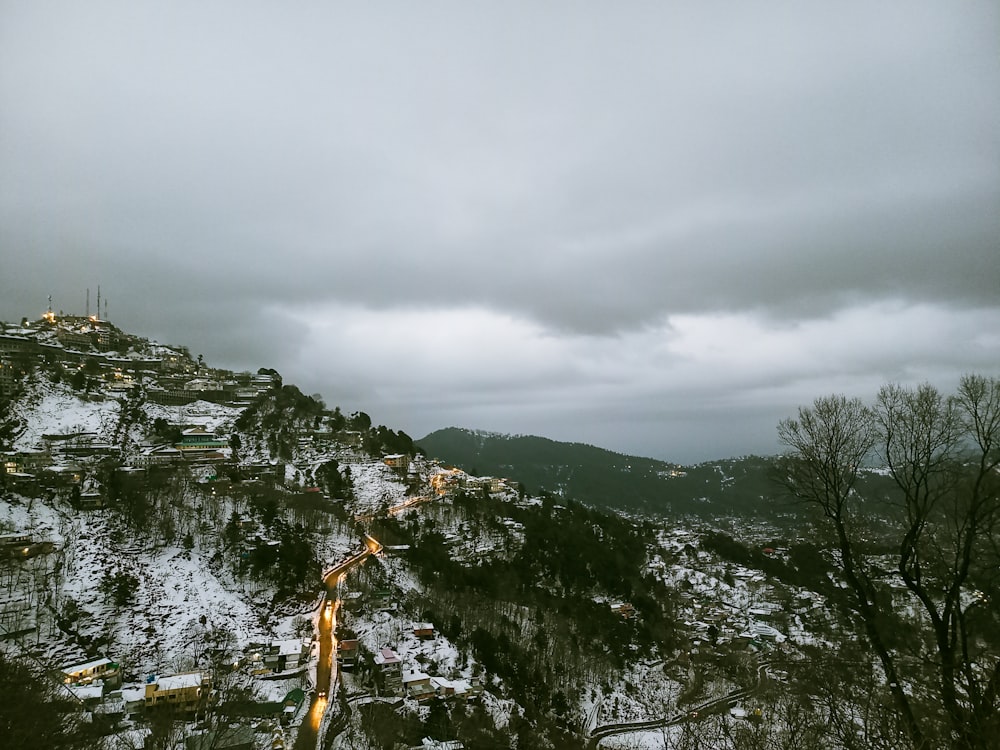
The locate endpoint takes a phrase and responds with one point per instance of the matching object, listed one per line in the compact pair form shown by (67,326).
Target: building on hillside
(186,691)
(87,672)
(347,652)
(89,695)
(423,630)
(26,461)
(392,670)
(397,461)
(89,500)
(198,438)
(463,690)
(352,438)
(291,705)
(284,656)
(761,631)
(428,743)
(417,685)
(10,542)
(623,609)
(134,698)
(158,455)
(170,396)
(381,600)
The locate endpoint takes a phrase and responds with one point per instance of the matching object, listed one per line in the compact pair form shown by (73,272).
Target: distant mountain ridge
(603,478)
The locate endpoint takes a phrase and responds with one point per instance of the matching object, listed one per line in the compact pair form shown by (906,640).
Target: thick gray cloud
(619,224)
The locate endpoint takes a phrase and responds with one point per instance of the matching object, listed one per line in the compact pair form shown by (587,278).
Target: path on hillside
(609,730)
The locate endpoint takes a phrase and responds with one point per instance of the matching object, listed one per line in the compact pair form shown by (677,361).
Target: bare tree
(940,530)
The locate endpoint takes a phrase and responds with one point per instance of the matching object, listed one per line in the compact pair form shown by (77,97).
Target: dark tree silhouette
(939,528)
(33,714)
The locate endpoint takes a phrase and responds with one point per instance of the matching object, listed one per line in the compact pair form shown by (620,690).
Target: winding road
(609,730)
(326,670)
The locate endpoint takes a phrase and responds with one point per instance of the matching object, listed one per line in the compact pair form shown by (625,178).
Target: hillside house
(391,668)
(89,500)
(9,542)
(428,743)
(26,484)
(88,695)
(463,690)
(423,630)
(284,656)
(87,672)
(186,691)
(347,652)
(766,632)
(200,439)
(351,601)
(170,396)
(159,455)
(397,461)
(25,461)
(381,600)
(417,685)
(291,705)
(623,609)
(267,473)
(134,698)
(351,438)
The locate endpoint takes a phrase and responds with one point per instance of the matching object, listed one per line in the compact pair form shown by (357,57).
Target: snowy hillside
(48,408)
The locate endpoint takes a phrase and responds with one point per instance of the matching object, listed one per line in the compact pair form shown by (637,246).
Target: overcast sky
(655,227)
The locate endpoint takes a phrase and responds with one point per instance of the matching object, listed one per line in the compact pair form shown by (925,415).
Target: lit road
(326,670)
(408,503)
(393,510)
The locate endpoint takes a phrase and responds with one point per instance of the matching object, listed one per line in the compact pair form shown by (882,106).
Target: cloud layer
(640,226)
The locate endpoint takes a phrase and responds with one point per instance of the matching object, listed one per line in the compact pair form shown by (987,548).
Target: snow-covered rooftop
(178,681)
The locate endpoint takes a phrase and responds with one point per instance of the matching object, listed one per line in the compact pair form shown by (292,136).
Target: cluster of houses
(72,342)
(714,624)
(98,685)
(60,463)
(410,683)
(75,344)
(278,658)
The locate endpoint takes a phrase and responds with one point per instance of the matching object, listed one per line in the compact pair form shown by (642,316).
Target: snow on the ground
(648,740)
(642,693)
(375,486)
(217,418)
(176,589)
(57,409)
(28,515)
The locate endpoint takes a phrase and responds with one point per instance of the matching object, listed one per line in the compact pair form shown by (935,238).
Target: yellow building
(187,691)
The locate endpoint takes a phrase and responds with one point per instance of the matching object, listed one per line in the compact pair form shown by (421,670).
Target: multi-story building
(392,670)
(187,691)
